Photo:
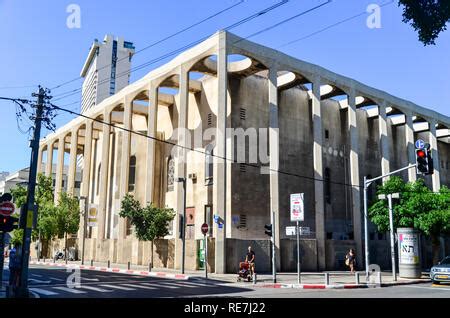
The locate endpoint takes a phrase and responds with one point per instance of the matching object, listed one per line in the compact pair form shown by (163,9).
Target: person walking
(350,260)
(15,265)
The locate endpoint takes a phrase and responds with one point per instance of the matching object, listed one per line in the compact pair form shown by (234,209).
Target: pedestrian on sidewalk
(15,264)
(250,259)
(350,260)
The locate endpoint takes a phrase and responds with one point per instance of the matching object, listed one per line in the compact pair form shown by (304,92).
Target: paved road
(56,282)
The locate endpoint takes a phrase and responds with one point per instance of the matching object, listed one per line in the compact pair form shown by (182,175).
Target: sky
(38,47)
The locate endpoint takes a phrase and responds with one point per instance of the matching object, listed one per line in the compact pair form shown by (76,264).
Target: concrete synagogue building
(317,132)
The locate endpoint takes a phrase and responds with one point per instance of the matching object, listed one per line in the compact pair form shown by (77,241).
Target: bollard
(327,279)
(92,262)
(357,278)
(128,265)
(44,259)
(379,278)
(150,267)
(109,263)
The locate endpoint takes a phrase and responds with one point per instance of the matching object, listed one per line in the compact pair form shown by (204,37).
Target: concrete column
(39,163)
(85,182)
(71,177)
(49,163)
(354,175)
(125,161)
(104,175)
(274,153)
(318,173)
(151,143)
(384,142)
(409,134)
(436,176)
(59,168)
(180,159)
(220,150)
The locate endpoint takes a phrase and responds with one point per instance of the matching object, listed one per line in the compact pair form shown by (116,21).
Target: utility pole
(22,289)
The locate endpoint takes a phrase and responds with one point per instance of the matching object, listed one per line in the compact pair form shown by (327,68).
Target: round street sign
(420,144)
(7,208)
(204,228)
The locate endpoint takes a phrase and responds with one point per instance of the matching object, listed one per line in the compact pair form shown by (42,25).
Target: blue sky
(37,47)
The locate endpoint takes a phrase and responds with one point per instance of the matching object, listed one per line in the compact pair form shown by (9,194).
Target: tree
(428,17)
(150,222)
(418,208)
(67,217)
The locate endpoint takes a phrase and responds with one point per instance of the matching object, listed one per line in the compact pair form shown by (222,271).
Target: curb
(314,286)
(117,270)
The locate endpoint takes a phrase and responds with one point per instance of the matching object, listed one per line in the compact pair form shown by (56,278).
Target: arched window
(327,185)
(170,173)
(132,174)
(98,177)
(209,164)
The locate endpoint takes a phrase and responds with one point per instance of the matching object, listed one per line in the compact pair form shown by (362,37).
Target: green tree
(427,17)
(418,207)
(150,222)
(67,217)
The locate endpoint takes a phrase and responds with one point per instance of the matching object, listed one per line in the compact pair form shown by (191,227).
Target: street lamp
(183,227)
(84,226)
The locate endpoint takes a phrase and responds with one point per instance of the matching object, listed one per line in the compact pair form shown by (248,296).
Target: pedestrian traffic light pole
(22,290)
(367,183)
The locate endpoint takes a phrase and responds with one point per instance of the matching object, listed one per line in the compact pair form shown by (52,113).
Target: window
(327,185)
(243,221)
(98,178)
(242,167)
(132,174)
(242,113)
(170,173)
(77,184)
(209,119)
(327,134)
(209,164)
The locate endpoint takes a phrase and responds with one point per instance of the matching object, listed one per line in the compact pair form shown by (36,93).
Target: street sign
(92,215)
(205,228)
(7,208)
(305,230)
(420,144)
(297,207)
(290,230)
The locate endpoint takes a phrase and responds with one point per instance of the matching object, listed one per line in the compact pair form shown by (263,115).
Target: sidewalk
(319,280)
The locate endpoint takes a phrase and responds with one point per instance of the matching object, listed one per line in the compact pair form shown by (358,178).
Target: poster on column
(92,215)
(409,248)
(297,207)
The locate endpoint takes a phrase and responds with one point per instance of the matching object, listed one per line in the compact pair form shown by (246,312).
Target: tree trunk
(151,262)
(65,246)
(436,244)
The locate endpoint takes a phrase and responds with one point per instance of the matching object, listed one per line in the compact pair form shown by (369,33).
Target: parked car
(441,272)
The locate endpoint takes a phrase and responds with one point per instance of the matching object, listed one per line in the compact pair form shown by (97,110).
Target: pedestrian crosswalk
(92,286)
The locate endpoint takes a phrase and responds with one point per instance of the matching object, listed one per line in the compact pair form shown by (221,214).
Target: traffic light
(8,223)
(424,161)
(268,230)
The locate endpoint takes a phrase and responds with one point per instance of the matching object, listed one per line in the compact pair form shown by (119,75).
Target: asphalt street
(57,282)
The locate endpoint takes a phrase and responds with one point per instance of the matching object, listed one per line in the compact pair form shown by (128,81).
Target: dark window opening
(327,134)
(327,185)
(132,174)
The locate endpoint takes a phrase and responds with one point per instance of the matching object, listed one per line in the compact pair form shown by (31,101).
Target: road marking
(179,284)
(39,281)
(36,275)
(43,292)
(432,288)
(57,279)
(101,290)
(138,286)
(160,285)
(71,290)
(117,287)
(91,279)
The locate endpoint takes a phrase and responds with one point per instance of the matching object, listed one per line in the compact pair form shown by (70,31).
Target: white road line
(70,290)
(36,275)
(116,287)
(178,284)
(432,288)
(91,279)
(138,286)
(39,281)
(57,279)
(101,290)
(43,292)
(160,285)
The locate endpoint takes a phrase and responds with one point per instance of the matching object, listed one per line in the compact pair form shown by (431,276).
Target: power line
(331,26)
(55,107)
(178,50)
(163,39)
